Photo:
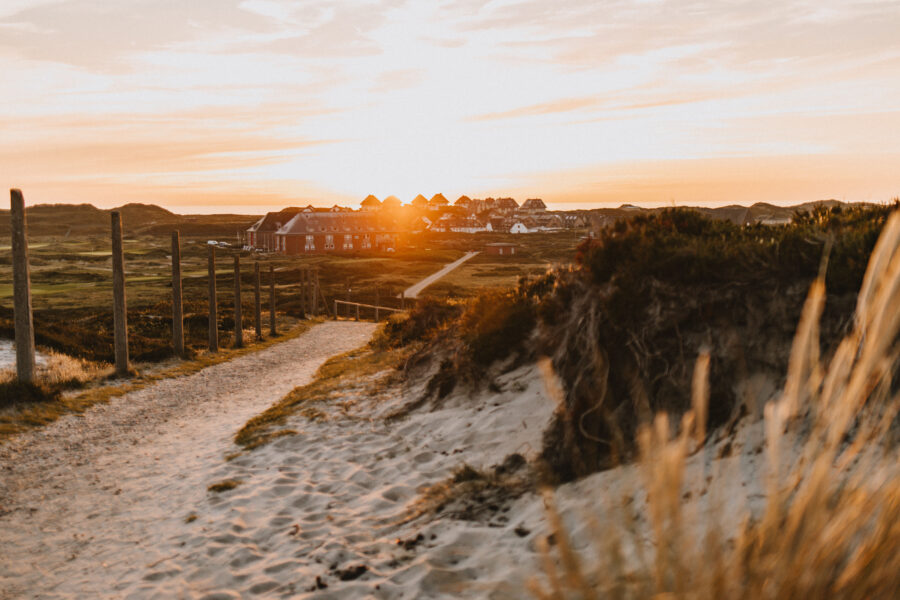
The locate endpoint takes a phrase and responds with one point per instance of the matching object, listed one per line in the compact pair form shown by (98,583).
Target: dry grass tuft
(471,494)
(831,523)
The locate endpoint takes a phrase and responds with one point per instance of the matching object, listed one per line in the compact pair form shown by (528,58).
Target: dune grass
(831,523)
(27,415)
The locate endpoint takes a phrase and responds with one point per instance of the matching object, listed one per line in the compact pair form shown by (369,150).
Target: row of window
(365,244)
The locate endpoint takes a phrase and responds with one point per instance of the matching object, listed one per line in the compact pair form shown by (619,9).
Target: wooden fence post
(403,300)
(377,303)
(308,291)
(335,310)
(315,292)
(257,301)
(24,323)
(120,319)
(238,317)
(304,295)
(213,310)
(177,306)
(272,300)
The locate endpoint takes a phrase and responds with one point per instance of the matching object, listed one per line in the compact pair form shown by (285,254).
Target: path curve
(133,464)
(413,292)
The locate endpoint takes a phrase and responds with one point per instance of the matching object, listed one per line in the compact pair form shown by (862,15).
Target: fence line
(311,294)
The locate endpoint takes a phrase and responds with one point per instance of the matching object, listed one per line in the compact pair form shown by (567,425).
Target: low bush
(652,292)
(423,322)
(495,324)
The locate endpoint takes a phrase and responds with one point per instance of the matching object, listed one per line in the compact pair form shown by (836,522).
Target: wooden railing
(377,309)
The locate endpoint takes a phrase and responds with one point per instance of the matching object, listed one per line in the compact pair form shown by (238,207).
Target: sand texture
(114,503)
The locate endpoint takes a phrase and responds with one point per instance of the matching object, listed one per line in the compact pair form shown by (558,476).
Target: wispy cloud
(544,108)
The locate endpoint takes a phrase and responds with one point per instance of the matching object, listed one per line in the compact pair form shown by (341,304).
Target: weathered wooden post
(120,320)
(377,303)
(314,290)
(403,300)
(357,311)
(177,306)
(304,292)
(257,299)
(309,290)
(24,323)
(213,311)
(272,300)
(335,310)
(238,317)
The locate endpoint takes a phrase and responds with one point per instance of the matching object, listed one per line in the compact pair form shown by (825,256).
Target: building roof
(534,204)
(438,200)
(274,220)
(391,202)
(370,200)
(506,203)
(462,201)
(458,223)
(420,201)
(337,223)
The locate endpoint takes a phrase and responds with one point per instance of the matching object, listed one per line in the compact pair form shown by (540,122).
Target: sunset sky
(249,105)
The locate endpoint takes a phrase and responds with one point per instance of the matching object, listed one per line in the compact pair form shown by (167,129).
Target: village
(380,225)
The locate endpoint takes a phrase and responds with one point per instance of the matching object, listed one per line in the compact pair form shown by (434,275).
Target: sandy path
(413,292)
(88,503)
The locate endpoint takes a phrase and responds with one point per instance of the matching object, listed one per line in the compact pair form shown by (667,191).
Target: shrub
(496,323)
(422,322)
(654,290)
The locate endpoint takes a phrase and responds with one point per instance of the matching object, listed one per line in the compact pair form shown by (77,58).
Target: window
(348,242)
(366,242)
(329,242)
(310,242)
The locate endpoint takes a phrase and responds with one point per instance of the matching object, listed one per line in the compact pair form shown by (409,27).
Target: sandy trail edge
(127,467)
